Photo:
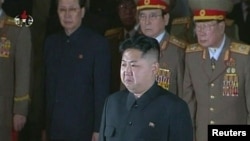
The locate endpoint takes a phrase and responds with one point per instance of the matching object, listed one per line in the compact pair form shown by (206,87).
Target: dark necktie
(213,63)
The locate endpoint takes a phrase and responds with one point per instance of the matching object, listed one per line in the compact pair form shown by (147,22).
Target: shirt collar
(215,52)
(160,36)
(74,35)
(144,99)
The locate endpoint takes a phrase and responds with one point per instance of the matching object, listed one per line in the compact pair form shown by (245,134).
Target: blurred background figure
(241,15)
(124,28)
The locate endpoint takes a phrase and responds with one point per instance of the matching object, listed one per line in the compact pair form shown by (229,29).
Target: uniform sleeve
(22,71)
(102,78)
(180,72)
(188,91)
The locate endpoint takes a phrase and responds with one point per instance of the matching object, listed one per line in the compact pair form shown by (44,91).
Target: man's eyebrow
(132,61)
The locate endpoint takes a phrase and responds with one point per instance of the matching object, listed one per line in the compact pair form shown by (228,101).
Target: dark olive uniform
(15,54)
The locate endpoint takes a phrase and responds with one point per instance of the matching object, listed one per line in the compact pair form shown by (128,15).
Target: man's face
(70,15)
(152,23)
(136,71)
(127,14)
(210,33)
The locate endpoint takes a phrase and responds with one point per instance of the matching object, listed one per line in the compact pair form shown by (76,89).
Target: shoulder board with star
(113,32)
(10,21)
(177,42)
(240,48)
(181,20)
(194,48)
(229,22)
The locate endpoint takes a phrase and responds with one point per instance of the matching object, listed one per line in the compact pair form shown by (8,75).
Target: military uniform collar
(215,52)
(73,36)
(131,32)
(161,36)
(146,98)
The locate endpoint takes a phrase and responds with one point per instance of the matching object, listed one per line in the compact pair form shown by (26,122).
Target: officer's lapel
(220,63)
(206,64)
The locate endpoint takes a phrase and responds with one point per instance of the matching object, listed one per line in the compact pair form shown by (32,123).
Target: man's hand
(95,136)
(18,122)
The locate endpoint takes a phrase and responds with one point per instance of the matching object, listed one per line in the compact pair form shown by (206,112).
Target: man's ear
(222,26)
(166,19)
(155,67)
(83,9)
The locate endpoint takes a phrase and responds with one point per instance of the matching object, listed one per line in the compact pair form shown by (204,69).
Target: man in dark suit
(144,111)
(241,15)
(78,64)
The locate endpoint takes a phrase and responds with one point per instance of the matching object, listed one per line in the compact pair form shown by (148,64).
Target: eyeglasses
(205,26)
(151,17)
(72,10)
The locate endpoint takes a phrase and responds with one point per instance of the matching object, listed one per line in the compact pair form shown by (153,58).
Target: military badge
(23,19)
(231,82)
(163,78)
(4,47)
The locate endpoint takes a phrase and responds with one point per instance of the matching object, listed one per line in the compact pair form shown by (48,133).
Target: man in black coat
(78,64)
(241,15)
(144,111)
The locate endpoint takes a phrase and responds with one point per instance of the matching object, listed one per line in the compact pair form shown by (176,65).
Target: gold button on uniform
(211,109)
(212,84)
(212,122)
(212,97)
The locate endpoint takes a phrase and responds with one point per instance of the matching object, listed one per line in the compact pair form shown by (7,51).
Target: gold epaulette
(177,42)
(22,98)
(113,32)
(10,21)
(229,22)
(181,20)
(194,48)
(240,48)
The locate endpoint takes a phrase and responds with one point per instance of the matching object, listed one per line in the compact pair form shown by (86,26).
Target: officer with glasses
(217,71)
(153,16)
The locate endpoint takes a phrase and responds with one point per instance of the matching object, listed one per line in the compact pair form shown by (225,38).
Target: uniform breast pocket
(150,134)
(109,132)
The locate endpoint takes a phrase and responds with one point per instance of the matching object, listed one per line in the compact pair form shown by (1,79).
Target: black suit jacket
(77,83)
(157,115)
(238,17)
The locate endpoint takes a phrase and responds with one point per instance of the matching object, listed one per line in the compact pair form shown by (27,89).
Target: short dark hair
(82,3)
(142,43)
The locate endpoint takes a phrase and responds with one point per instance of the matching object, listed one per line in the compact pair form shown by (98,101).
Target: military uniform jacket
(170,75)
(15,65)
(219,96)
(157,115)
(77,83)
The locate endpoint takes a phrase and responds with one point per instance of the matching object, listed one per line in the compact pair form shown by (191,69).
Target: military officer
(183,28)
(217,71)
(15,55)
(127,17)
(153,16)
